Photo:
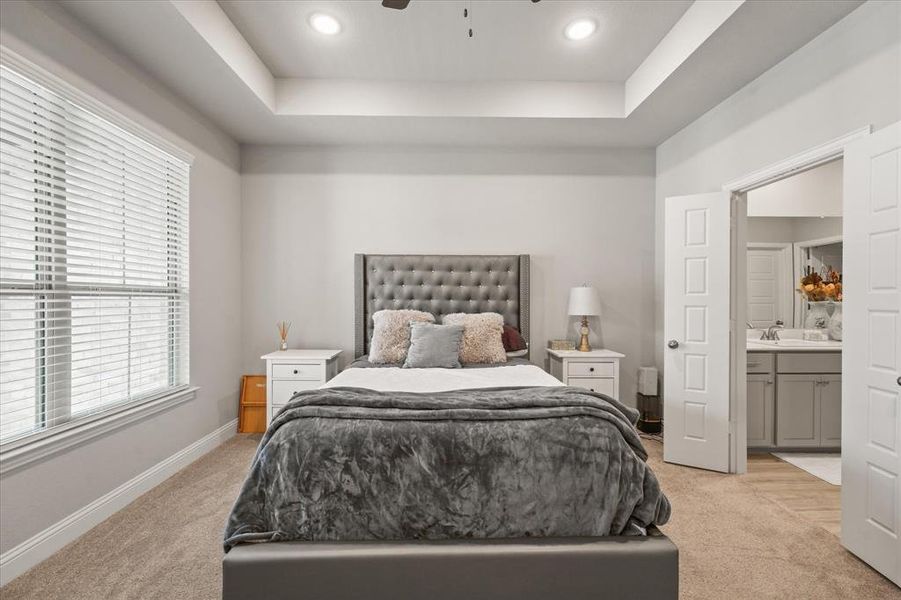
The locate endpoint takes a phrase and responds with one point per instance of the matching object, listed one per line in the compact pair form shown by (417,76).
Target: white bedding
(395,379)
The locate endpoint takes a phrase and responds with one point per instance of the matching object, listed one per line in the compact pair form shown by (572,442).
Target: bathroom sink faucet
(772,332)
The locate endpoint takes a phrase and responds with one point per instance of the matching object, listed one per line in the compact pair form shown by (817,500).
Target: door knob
(673,344)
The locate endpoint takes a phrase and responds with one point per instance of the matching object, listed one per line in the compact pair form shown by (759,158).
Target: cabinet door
(831,411)
(797,410)
(761,407)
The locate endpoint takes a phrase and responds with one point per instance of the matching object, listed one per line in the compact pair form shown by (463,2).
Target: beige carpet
(733,542)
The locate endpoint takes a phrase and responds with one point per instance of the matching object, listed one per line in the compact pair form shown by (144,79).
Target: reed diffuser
(283,327)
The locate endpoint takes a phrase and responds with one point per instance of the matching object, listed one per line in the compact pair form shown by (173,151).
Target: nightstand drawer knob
(591,369)
(309,371)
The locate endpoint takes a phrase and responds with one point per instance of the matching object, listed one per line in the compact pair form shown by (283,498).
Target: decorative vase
(283,328)
(835,322)
(817,316)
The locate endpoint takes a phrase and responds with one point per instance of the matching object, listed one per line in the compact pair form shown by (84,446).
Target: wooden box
(252,411)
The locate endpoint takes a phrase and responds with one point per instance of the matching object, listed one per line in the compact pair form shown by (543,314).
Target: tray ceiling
(413,77)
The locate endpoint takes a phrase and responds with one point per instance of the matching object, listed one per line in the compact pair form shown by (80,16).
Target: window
(93,262)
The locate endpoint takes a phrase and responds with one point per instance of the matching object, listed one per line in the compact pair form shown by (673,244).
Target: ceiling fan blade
(395,4)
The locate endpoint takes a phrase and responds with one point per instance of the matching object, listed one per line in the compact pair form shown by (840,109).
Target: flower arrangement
(818,287)
(283,327)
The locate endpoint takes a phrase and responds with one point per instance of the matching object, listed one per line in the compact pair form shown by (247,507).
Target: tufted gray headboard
(439,284)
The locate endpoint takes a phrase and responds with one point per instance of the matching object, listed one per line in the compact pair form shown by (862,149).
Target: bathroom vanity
(794,393)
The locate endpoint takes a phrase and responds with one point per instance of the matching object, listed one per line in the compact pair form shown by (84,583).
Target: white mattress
(395,379)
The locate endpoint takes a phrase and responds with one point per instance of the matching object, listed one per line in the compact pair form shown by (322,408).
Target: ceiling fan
(402,4)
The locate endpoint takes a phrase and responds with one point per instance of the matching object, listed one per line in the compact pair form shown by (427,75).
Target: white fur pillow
(391,334)
(482,337)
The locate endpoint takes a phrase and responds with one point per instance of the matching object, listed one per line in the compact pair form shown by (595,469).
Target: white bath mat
(827,467)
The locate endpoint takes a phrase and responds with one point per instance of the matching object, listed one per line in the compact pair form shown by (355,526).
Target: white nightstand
(292,371)
(596,370)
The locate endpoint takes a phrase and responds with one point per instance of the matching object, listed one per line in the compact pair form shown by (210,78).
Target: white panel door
(696,330)
(765,287)
(871,357)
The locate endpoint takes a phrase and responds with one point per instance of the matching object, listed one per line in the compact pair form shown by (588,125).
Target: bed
(395,565)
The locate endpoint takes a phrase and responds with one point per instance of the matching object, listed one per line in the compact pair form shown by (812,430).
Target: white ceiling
(428,41)
(521,91)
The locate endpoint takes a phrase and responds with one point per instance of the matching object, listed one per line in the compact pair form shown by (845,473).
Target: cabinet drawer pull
(295,371)
(591,369)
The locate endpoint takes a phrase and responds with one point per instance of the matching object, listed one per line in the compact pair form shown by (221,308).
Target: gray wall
(41,494)
(584,217)
(792,229)
(844,79)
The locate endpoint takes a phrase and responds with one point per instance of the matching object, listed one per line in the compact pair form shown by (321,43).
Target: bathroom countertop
(794,346)
(790,340)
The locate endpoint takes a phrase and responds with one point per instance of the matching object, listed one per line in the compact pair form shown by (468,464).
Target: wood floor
(796,490)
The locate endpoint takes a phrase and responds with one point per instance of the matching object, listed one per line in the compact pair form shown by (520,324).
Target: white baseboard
(39,547)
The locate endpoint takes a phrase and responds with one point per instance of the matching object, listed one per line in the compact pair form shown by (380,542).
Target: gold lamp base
(584,346)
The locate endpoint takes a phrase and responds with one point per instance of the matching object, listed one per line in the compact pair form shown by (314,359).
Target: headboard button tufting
(440,285)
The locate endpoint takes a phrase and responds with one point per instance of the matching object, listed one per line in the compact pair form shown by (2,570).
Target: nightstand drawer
(282,391)
(601,385)
(590,369)
(308,371)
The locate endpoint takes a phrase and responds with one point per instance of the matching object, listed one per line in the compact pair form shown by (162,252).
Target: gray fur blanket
(356,464)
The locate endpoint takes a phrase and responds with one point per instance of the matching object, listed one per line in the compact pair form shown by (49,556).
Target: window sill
(19,453)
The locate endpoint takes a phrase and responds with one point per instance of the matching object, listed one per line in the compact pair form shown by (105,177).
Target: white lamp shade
(584,301)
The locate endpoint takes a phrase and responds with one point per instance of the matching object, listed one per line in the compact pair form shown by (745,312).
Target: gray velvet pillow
(434,346)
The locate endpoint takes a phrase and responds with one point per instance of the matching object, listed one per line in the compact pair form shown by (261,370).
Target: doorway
(705,314)
(793,298)
(869,396)
(706,405)
(706,364)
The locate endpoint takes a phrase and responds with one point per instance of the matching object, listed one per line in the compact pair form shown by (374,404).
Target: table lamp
(584,302)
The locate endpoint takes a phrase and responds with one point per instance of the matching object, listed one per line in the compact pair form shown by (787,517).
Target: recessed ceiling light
(325,24)
(579,29)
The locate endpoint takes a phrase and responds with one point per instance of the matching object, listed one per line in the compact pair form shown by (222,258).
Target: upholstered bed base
(526,569)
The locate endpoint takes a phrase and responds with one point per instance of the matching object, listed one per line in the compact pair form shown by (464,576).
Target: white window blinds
(93,262)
